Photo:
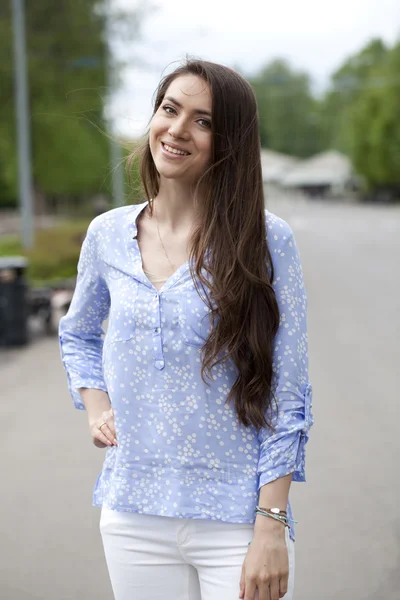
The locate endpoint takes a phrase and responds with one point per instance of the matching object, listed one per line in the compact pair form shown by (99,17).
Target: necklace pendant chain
(159,235)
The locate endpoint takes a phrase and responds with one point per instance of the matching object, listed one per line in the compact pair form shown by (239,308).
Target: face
(180,132)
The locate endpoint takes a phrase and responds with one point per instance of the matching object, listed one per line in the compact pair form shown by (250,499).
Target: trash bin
(13,301)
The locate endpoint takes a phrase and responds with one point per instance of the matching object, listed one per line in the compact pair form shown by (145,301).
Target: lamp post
(23,125)
(117,172)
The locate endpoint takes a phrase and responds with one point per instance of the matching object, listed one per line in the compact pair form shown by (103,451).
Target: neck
(174,206)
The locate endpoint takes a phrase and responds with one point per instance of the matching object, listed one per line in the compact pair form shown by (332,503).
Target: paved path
(50,546)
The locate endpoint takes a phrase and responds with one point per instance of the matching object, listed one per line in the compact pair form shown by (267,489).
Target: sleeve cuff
(288,455)
(76,381)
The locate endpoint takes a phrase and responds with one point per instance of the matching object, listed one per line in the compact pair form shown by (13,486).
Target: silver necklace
(163,247)
(165,252)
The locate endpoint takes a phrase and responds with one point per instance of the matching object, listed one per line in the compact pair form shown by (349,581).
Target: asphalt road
(348,536)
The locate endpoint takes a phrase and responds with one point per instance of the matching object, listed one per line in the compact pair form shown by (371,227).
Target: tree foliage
(362,114)
(67,53)
(374,127)
(8,175)
(348,84)
(66,41)
(289,114)
(359,114)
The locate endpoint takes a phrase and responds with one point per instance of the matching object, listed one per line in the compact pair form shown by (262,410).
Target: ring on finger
(102,425)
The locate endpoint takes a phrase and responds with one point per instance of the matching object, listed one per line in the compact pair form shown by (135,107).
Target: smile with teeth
(174,150)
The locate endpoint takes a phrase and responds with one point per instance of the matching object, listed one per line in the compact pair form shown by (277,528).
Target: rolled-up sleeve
(81,329)
(282,450)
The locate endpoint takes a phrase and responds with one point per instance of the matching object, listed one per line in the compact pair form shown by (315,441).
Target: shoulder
(284,251)
(114,220)
(279,232)
(115,216)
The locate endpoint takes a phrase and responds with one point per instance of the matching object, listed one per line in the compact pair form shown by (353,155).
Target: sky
(314,36)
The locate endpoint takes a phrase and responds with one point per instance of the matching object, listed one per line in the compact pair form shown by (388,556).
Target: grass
(9,245)
(55,254)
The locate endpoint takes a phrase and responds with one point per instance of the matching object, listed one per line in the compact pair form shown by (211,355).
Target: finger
(263,591)
(108,418)
(283,586)
(98,443)
(107,430)
(250,590)
(241,584)
(99,435)
(274,589)
(111,427)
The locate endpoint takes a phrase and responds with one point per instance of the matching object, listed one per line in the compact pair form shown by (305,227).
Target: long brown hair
(232,261)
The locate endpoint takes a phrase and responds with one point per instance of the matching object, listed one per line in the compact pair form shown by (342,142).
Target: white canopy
(275,165)
(328,168)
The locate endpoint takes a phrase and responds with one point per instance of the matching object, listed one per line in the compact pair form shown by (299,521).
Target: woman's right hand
(103,430)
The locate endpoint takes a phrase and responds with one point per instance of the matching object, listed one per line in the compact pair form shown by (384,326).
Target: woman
(200,392)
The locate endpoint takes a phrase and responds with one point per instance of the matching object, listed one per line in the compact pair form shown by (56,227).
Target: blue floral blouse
(181,450)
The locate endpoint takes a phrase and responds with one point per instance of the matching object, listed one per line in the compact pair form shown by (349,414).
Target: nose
(178,129)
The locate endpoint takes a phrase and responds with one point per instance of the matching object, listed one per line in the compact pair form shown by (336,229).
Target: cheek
(155,130)
(207,150)
(154,145)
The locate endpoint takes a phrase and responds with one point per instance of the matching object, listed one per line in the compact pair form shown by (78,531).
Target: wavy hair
(232,261)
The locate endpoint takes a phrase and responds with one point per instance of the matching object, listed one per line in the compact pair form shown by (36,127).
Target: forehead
(190,91)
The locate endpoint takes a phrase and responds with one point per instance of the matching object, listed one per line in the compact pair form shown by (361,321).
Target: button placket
(159,362)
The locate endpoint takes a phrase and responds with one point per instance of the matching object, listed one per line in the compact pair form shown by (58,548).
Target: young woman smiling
(200,389)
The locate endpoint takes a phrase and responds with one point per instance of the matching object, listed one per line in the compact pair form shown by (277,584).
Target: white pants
(163,558)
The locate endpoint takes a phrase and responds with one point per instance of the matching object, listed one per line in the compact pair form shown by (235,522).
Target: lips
(174,150)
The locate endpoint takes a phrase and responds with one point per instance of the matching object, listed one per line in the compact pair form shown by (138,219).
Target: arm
(81,344)
(80,331)
(266,566)
(282,450)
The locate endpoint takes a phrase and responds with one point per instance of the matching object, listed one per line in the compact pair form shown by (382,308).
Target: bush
(55,254)
(9,245)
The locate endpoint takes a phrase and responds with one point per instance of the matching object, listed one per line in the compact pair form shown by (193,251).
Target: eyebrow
(197,111)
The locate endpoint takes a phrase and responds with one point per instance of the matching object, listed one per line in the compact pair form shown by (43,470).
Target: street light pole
(23,125)
(116,158)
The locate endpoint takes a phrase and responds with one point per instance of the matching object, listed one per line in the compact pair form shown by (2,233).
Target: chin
(168,173)
(171,171)
(175,172)
(171,176)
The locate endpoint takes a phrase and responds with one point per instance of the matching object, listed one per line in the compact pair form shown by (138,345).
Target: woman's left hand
(266,566)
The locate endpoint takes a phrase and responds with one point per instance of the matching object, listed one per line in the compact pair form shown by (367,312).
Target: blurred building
(276,165)
(329,174)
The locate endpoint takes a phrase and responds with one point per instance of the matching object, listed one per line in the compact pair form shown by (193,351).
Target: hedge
(55,254)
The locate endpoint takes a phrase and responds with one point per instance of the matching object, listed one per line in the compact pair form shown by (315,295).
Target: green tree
(289,114)
(361,114)
(374,126)
(348,84)
(8,175)
(67,55)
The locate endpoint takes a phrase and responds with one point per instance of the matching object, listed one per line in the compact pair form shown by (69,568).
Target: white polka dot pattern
(181,450)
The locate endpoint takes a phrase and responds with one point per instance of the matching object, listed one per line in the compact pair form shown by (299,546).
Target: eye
(169,110)
(204,123)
